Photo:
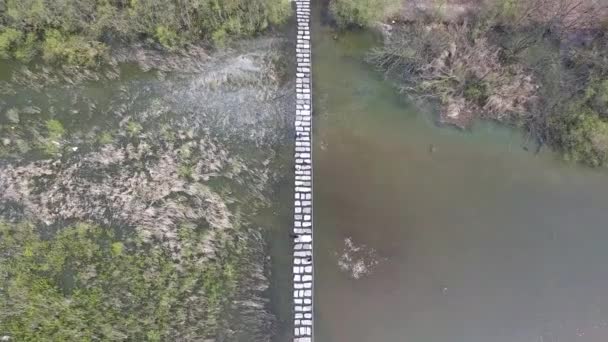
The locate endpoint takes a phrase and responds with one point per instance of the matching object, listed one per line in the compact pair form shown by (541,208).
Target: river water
(432,234)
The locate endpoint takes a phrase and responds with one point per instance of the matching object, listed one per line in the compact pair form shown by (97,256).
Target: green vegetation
(84,284)
(134,128)
(51,144)
(185,171)
(517,61)
(55,129)
(476,91)
(361,13)
(105,138)
(79,32)
(58,47)
(581,130)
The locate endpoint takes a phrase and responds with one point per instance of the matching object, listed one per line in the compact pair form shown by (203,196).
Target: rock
(6,141)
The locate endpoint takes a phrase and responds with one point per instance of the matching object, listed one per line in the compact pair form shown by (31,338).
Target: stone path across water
(303,275)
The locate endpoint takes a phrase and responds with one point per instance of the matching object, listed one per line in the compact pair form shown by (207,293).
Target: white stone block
(305,238)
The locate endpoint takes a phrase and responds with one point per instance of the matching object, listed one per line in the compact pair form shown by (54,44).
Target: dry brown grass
(561,14)
(463,73)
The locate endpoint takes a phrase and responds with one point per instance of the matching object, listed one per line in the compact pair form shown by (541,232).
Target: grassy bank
(80,32)
(540,65)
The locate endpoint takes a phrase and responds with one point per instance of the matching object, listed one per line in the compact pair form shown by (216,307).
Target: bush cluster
(80,31)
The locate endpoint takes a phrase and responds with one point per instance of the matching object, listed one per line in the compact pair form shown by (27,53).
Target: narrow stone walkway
(302,229)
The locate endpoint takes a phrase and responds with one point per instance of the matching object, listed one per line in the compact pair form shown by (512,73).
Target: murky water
(466,236)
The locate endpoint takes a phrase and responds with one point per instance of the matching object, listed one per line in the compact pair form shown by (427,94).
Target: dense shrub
(581,134)
(78,31)
(9,40)
(58,47)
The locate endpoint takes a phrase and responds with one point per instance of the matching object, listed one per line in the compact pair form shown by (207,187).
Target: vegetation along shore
(537,64)
(131,174)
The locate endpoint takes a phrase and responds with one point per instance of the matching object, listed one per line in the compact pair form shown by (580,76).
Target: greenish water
(476,239)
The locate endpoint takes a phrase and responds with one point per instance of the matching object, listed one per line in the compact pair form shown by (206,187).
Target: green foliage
(167,37)
(476,91)
(83,284)
(117,248)
(49,147)
(361,13)
(105,138)
(134,128)
(581,134)
(9,40)
(79,31)
(507,9)
(185,152)
(233,18)
(581,130)
(167,133)
(16,44)
(76,50)
(596,95)
(27,49)
(55,129)
(51,144)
